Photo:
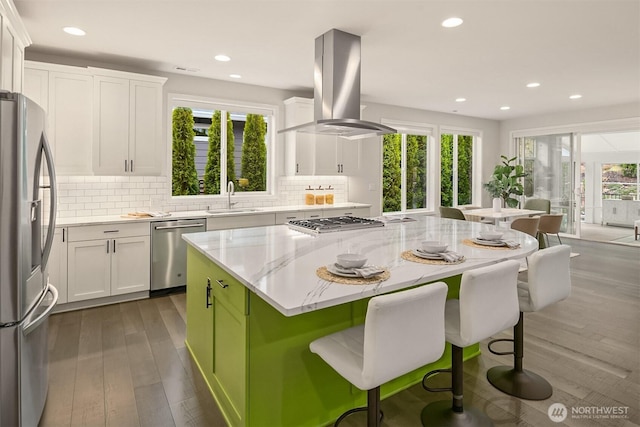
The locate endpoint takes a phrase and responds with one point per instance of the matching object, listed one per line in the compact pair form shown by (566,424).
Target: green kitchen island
(254,303)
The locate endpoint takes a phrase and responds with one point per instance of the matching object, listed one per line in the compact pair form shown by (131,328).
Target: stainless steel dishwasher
(169,252)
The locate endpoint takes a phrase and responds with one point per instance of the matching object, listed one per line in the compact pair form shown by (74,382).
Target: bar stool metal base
(441,414)
(523,384)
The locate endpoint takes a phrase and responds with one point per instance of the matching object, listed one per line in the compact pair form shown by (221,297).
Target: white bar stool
(549,282)
(402,332)
(488,304)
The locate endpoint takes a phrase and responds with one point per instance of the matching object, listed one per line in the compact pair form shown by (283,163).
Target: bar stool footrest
(353,411)
(432,373)
(441,414)
(523,384)
(500,353)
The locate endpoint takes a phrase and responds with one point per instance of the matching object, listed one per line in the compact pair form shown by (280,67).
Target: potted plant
(505,182)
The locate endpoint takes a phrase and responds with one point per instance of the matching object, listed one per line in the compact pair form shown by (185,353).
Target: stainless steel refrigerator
(27,221)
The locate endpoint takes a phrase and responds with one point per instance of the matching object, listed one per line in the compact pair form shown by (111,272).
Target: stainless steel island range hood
(336,96)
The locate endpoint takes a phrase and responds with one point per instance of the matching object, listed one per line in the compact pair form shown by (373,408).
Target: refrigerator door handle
(46,251)
(28,327)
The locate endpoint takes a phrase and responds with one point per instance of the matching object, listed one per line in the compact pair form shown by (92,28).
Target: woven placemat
(409,256)
(473,244)
(324,274)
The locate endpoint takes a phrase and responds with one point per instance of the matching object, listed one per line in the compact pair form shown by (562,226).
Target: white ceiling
(408,59)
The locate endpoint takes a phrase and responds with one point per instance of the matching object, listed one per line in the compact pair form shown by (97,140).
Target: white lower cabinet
(118,262)
(240,221)
(57,264)
(359,212)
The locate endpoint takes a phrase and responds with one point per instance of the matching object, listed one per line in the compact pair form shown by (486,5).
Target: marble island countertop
(279,264)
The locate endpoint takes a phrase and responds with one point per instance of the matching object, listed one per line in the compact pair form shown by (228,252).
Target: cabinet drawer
(359,212)
(108,231)
(228,290)
(283,217)
(240,221)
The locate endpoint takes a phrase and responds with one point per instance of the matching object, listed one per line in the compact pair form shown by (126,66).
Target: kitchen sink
(232,210)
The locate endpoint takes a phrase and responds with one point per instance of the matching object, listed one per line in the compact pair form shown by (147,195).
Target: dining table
(505,214)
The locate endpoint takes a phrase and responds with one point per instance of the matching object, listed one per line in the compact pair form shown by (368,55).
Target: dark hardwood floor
(127,364)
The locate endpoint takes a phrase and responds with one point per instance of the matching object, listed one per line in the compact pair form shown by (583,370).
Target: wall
(365,187)
(612,118)
(132,191)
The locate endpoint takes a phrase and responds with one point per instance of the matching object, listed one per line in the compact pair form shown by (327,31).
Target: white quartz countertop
(111,219)
(279,264)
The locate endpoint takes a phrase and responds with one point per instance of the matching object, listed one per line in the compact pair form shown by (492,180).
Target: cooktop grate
(332,224)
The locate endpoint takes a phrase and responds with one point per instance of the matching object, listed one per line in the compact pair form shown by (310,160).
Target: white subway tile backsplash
(116,195)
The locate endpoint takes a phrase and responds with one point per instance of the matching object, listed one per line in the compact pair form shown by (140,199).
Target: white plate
(341,271)
(489,242)
(425,255)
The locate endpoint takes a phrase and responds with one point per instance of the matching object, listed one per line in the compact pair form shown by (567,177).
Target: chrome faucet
(231,190)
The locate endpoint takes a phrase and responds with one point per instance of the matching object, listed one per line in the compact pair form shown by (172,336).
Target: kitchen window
(405,180)
(214,142)
(456,168)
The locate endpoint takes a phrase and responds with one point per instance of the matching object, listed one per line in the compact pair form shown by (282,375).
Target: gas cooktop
(329,225)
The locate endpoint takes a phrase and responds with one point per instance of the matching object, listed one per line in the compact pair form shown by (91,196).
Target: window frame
(476,164)
(412,128)
(271,114)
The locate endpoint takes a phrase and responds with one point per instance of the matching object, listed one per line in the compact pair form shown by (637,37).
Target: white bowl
(434,246)
(351,260)
(490,235)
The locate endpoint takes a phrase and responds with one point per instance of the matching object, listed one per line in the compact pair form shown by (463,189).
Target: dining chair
(538,205)
(527,225)
(550,224)
(453,213)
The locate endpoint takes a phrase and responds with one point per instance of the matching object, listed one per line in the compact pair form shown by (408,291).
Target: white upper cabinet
(308,154)
(127,123)
(13,40)
(300,147)
(66,95)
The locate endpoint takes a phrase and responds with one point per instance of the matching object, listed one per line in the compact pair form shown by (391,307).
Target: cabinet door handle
(131,168)
(107,246)
(222,284)
(209,304)
(111,231)
(297,168)
(63,235)
(314,216)
(338,167)
(126,165)
(114,246)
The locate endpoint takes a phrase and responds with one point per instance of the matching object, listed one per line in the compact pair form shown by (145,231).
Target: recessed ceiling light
(235,76)
(576,96)
(74,31)
(222,58)
(461,99)
(533,84)
(505,107)
(452,22)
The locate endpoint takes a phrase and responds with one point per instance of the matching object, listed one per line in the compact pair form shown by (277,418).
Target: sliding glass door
(552,166)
